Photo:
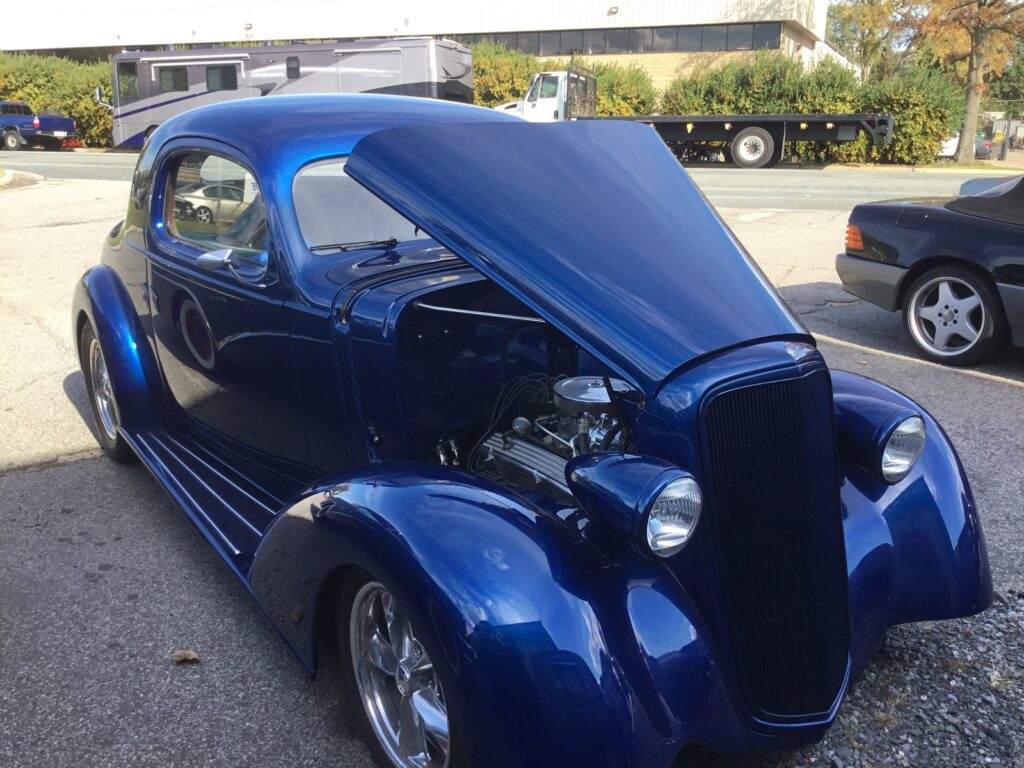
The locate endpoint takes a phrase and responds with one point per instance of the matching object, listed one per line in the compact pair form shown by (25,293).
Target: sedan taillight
(854,239)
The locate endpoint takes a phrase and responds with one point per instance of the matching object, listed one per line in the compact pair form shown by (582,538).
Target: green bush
(48,82)
(925,106)
(500,75)
(624,91)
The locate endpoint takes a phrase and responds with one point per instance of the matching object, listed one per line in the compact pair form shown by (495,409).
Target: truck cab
(556,96)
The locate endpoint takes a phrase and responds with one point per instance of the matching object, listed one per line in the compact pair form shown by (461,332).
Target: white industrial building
(676,31)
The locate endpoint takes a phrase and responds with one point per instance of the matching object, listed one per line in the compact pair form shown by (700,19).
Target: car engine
(552,421)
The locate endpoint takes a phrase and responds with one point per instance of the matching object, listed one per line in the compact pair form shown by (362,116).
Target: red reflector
(854,240)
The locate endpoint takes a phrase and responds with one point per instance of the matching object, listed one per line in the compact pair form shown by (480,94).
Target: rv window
(173,78)
(333,209)
(223,77)
(127,81)
(292,67)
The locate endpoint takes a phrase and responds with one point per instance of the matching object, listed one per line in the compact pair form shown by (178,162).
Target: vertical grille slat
(778,536)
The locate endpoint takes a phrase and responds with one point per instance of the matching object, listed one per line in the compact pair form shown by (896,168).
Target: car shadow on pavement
(78,396)
(831,313)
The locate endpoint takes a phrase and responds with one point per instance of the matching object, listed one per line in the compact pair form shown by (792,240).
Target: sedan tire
(393,671)
(954,316)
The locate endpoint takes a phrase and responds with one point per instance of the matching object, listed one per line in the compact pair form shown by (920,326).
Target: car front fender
(101,299)
(915,550)
(500,586)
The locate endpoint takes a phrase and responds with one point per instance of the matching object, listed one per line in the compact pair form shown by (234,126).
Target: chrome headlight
(902,449)
(673,516)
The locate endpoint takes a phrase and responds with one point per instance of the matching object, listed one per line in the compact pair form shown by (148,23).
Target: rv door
(370,70)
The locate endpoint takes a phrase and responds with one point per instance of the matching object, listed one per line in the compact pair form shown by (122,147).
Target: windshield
(334,209)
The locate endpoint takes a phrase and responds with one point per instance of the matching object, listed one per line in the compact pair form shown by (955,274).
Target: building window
(291,67)
(664,39)
(740,37)
(527,42)
(508,40)
(618,41)
(127,81)
(571,42)
(549,44)
(593,41)
(173,79)
(640,39)
(689,39)
(715,38)
(767,35)
(223,77)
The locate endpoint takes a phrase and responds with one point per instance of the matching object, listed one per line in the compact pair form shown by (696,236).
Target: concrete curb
(9,177)
(103,150)
(6,177)
(1011,171)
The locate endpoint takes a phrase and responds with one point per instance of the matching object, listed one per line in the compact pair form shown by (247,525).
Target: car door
(219,320)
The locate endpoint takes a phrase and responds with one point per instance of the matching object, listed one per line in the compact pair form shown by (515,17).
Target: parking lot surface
(102,578)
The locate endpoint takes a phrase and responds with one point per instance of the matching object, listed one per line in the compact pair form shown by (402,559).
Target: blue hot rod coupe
(508,410)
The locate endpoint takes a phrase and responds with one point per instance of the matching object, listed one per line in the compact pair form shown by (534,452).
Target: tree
(868,32)
(978,36)
(1008,87)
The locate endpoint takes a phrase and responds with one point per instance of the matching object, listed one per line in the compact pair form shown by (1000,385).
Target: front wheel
(204,215)
(101,398)
(953,316)
(752,148)
(402,707)
(12,141)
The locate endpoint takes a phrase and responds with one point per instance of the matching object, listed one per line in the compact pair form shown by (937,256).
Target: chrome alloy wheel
(397,682)
(102,391)
(948,316)
(751,148)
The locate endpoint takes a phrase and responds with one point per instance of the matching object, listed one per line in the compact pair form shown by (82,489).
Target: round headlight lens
(673,516)
(902,449)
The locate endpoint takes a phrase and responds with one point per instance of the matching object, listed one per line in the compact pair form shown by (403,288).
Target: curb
(9,177)
(6,177)
(1011,171)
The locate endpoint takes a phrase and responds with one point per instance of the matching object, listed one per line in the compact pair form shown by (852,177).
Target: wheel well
(176,302)
(80,322)
(931,262)
(331,589)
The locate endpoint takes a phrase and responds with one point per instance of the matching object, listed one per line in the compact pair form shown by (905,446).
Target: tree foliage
(870,34)
(500,75)
(1007,88)
(624,91)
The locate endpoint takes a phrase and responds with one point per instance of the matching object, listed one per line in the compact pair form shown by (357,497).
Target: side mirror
(215,260)
(98,95)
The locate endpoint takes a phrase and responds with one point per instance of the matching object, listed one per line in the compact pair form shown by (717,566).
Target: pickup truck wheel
(752,148)
(101,398)
(12,141)
(386,663)
(954,316)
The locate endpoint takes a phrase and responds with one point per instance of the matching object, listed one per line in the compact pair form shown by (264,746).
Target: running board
(229,509)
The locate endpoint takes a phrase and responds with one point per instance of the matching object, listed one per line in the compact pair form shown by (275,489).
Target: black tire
(113,445)
(988,320)
(355,711)
(12,140)
(752,148)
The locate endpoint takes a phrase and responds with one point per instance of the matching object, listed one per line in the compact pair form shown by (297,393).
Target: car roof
(280,134)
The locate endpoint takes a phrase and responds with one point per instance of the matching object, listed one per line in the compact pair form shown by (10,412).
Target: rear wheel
(12,141)
(752,148)
(101,398)
(953,316)
(385,661)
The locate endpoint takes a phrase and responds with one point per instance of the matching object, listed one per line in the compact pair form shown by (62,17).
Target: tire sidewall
(352,704)
(763,160)
(993,331)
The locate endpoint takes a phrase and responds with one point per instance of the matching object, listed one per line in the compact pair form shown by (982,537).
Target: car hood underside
(593,224)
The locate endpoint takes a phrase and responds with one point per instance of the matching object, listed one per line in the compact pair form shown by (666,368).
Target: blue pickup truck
(20,126)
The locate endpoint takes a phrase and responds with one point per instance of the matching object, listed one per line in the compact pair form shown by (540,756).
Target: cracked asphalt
(101,578)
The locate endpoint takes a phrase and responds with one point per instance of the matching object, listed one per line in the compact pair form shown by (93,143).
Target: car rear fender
(100,299)
(496,583)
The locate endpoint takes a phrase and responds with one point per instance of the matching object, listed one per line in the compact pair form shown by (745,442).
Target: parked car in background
(982,148)
(20,126)
(546,458)
(953,266)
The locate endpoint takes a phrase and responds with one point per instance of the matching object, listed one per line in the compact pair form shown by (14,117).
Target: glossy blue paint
(563,642)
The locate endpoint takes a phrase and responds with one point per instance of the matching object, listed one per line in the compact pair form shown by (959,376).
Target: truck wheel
(385,664)
(12,140)
(752,148)
(954,317)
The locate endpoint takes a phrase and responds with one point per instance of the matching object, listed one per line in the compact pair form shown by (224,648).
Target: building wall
(146,23)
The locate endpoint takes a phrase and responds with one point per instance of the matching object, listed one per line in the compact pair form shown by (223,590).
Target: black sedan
(953,266)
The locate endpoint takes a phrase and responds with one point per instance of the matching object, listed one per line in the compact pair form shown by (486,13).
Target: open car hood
(593,224)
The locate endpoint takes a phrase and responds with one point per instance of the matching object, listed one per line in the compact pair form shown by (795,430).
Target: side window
(25,109)
(127,81)
(549,87)
(6,109)
(173,78)
(531,96)
(222,77)
(214,203)
(292,67)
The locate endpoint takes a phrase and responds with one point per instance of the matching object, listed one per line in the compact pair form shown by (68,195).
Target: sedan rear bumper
(1013,305)
(871,280)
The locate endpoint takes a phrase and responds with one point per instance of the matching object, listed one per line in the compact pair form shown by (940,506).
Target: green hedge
(48,82)
(500,75)
(925,106)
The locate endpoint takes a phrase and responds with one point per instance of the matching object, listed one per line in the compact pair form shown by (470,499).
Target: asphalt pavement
(102,578)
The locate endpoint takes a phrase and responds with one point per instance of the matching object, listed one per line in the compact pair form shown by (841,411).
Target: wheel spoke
(966,331)
(412,741)
(946,297)
(967,304)
(942,334)
(433,716)
(931,314)
(381,655)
